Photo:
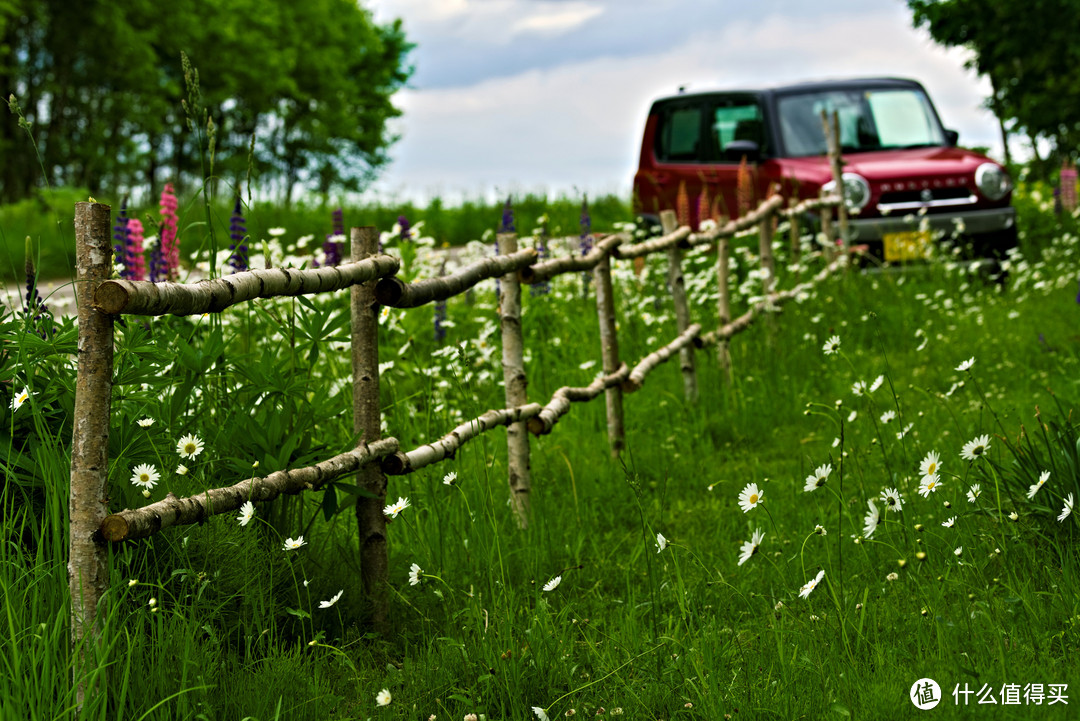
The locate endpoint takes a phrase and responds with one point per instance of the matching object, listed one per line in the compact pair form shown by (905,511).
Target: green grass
(685,633)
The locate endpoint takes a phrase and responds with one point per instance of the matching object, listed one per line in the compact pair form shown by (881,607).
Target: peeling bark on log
(609,348)
(673,237)
(400,464)
(519,476)
(572,263)
(559,405)
(88,561)
(367,425)
(765,210)
(658,356)
(397,294)
(141,297)
(682,308)
(173,511)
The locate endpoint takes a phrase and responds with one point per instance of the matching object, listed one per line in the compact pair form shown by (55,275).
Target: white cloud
(556,18)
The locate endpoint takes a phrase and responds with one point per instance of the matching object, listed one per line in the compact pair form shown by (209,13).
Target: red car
(903,174)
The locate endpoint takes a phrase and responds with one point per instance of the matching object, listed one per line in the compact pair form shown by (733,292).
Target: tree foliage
(101,84)
(1029,51)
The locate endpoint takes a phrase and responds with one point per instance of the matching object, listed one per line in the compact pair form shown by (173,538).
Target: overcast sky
(552,95)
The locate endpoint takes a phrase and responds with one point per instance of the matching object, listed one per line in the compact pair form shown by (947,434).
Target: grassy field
(219,622)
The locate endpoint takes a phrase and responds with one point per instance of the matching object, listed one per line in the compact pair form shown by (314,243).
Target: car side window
(737,119)
(679,138)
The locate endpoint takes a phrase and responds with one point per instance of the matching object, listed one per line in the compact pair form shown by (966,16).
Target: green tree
(101,83)
(1028,49)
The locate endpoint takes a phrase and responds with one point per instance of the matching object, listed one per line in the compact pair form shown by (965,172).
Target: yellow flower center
(931,469)
(144,477)
(753,498)
(189,448)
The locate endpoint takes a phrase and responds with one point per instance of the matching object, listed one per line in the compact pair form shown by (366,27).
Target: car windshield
(870,119)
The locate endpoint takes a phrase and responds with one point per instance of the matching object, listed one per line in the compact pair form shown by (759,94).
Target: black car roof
(801,87)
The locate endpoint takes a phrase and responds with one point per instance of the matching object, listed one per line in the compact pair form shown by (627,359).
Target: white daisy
(750,497)
(145,422)
(181,470)
(661,542)
(750,547)
(966,365)
(877,383)
(805,591)
(293,544)
(17,401)
(541,714)
(1067,509)
(948,523)
(1043,478)
(449,478)
(930,465)
(888,416)
(247,512)
(145,475)
(959,550)
(974,492)
(859,388)
(817,479)
(873,518)
(975,448)
(332,601)
(831,346)
(553,583)
(820,530)
(383,698)
(892,500)
(394,509)
(415,575)
(189,446)
(929,485)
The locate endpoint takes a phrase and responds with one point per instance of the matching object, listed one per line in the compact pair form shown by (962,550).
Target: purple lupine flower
(586,243)
(543,287)
(35,308)
(238,233)
(158,271)
(338,217)
(332,250)
(120,235)
(406,230)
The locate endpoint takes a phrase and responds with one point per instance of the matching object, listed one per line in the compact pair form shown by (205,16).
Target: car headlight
(856,190)
(992,180)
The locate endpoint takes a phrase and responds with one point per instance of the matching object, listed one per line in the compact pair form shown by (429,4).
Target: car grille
(929,198)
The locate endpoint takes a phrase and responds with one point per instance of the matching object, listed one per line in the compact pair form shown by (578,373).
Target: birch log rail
(658,356)
(397,294)
(142,297)
(572,263)
(559,405)
(674,239)
(173,511)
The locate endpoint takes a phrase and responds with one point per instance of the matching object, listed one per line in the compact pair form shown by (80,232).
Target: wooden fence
(371,278)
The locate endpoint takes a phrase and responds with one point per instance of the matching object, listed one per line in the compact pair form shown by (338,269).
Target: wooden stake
(88,561)
(609,347)
(796,239)
(514,381)
(682,309)
(832,145)
(367,425)
(768,262)
(723,352)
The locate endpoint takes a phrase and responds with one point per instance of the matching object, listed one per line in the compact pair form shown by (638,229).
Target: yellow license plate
(909,245)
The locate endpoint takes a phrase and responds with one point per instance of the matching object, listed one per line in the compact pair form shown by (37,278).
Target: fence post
(88,561)
(768,262)
(609,348)
(723,352)
(682,309)
(832,145)
(827,231)
(514,381)
(796,240)
(367,425)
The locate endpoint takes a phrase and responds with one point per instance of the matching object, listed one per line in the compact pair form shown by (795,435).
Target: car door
(681,153)
(729,118)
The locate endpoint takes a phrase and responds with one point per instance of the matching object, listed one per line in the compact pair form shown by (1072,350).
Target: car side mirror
(952,137)
(736,150)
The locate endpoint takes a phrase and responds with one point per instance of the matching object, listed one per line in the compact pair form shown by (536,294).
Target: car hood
(893,165)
